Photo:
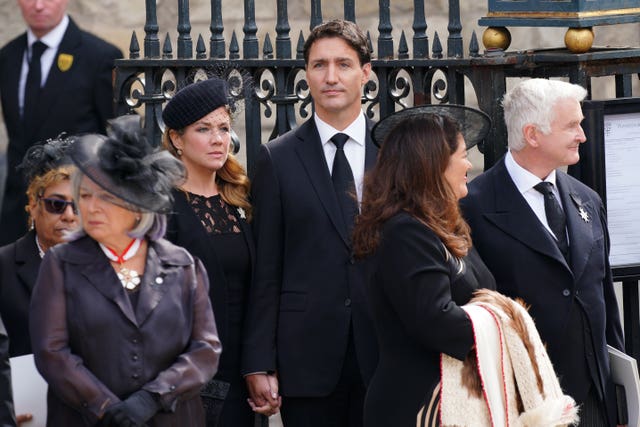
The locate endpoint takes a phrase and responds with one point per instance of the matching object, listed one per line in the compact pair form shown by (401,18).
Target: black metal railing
(276,97)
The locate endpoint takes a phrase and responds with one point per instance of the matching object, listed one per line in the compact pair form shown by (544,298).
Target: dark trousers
(342,408)
(592,412)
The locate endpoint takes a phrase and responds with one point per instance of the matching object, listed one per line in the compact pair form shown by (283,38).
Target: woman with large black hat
(121,324)
(210,218)
(422,265)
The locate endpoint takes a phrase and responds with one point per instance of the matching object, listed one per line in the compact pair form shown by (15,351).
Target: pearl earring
(179,151)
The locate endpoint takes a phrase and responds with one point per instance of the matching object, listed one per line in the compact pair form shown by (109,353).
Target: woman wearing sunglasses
(51,213)
(121,323)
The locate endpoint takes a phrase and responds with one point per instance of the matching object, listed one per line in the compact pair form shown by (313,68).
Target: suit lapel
(580,231)
(154,287)
(27,260)
(514,216)
(11,86)
(309,150)
(371,151)
(57,79)
(98,271)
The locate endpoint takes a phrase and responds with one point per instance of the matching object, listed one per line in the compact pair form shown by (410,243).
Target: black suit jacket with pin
(308,291)
(527,263)
(78,100)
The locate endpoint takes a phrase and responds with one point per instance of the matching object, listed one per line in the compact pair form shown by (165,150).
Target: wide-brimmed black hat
(127,166)
(474,124)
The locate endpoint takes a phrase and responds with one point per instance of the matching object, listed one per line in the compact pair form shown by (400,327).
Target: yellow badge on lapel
(65,61)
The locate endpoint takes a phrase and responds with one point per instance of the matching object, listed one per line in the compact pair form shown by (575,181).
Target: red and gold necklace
(130,279)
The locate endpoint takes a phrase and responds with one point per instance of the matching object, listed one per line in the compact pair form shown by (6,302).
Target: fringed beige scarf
(508,381)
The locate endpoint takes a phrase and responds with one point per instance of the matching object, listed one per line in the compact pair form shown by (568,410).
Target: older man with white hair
(543,235)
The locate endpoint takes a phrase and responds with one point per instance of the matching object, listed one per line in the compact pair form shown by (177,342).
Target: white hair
(532,102)
(151,224)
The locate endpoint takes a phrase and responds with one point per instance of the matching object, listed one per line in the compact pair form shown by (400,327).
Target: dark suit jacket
(527,263)
(7,416)
(78,100)
(94,348)
(185,229)
(307,290)
(19,264)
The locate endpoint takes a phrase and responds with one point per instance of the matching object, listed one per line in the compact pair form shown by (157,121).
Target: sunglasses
(58,206)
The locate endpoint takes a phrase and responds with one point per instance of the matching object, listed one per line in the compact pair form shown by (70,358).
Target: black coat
(416,291)
(19,264)
(307,290)
(78,100)
(94,349)
(527,263)
(7,416)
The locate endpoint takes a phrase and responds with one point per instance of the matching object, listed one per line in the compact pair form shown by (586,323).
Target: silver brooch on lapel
(584,215)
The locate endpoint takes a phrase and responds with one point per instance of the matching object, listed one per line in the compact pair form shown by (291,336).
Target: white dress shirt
(525,181)
(354,148)
(52,39)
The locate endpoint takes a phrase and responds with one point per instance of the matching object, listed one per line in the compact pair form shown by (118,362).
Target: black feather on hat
(126,165)
(49,155)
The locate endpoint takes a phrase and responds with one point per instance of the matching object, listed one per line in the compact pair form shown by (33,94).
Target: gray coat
(94,349)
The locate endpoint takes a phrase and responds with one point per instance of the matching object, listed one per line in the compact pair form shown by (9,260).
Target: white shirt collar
(357,130)
(522,178)
(54,37)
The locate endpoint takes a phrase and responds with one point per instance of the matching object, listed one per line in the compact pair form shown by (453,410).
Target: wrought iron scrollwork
(371,97)
(132,90)
(264,89)
(399,86)
(301,92)
(436,80)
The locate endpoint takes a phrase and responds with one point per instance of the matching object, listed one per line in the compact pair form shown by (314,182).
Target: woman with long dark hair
(422,267)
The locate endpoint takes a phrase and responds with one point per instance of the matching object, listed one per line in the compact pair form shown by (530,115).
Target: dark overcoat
(527,263)
(19,264)
(94,349)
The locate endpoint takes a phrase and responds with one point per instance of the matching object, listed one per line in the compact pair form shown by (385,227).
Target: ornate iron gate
(272,84)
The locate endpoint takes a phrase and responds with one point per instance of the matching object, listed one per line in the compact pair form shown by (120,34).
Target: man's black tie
(555,215)
(32,86)
(343,182)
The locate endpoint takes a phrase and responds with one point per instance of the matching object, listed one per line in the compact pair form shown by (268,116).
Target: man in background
(54,78)
(543,235)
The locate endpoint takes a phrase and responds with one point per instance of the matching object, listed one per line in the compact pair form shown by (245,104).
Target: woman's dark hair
(409,177)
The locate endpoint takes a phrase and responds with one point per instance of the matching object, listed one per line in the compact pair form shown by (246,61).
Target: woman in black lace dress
(209,219)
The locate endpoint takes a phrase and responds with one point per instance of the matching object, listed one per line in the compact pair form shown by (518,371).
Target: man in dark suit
(74,94)
(308,329)
(543,235)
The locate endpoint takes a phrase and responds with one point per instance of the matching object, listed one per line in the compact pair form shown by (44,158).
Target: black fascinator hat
(195,101)
(127,166)
(474,124)
(49,155)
